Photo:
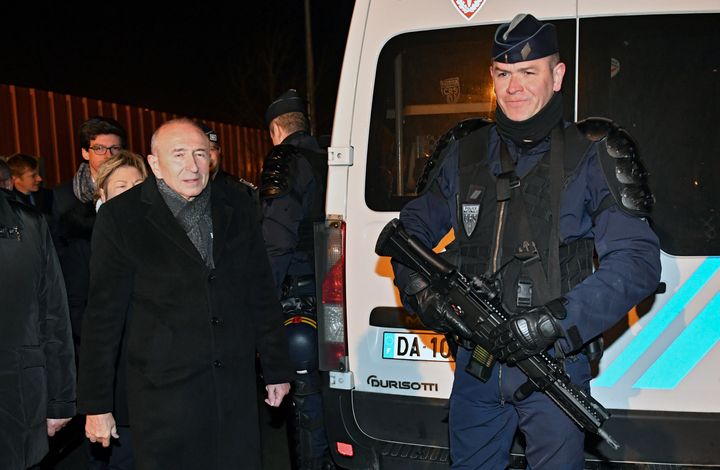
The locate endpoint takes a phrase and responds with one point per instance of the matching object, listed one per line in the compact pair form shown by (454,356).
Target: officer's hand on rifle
(427,303)
(432,310)
(529,333)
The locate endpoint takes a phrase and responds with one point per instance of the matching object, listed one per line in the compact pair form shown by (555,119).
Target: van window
(659,77)
(435,79)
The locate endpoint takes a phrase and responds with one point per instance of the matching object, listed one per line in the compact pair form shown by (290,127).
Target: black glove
(431,307)
(528,333)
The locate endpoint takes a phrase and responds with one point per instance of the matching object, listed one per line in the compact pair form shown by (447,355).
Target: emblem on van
(468,8)
(450,88)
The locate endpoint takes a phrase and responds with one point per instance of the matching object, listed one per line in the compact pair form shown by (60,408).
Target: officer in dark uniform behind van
(529,197)
(292,193)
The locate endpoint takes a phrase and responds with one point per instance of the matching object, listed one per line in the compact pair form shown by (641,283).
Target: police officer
(292,199)
(220,176)
(529,197)
(216,171)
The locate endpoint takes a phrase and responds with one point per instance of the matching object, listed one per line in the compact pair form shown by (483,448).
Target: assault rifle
(476,311)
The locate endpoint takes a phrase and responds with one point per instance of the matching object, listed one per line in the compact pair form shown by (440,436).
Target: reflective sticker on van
(468,8)
(416,346)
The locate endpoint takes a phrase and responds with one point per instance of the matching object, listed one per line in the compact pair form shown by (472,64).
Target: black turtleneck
(529,132)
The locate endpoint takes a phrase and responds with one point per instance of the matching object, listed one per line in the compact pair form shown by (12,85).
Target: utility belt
(303,306)
(298,296)
(298,286)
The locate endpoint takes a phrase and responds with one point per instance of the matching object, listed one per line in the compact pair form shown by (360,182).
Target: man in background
(26,181)
(74,211)
(216,171)
(292,194)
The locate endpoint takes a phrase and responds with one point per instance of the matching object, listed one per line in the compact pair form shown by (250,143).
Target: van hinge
(340,156)
(341,380)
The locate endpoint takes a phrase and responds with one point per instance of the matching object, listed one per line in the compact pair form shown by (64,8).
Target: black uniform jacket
(192,332)
(37,363)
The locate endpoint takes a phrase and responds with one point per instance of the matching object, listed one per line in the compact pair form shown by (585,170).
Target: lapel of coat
(221,216)
(160,217)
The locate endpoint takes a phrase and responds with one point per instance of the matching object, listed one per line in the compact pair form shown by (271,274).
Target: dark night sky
(184,60)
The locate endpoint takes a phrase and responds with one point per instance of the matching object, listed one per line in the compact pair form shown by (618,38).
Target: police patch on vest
(470,214)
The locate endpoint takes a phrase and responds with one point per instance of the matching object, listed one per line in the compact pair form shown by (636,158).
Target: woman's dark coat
(192,332)
(37,363)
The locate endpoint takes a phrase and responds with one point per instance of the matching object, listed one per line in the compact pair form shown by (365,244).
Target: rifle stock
(476,312)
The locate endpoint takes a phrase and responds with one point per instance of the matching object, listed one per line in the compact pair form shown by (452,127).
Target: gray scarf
(83,185)
(194,217)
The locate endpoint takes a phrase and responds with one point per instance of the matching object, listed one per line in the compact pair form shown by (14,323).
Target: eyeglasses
(101,149)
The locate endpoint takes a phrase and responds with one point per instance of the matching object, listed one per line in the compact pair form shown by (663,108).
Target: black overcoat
(192,332)
(72,225)
(37,362)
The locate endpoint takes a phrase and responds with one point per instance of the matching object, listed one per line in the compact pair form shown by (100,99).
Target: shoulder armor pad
(432,166)
(624,171)
(277,172)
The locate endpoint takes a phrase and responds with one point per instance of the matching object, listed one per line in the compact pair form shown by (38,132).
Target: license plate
(416,346)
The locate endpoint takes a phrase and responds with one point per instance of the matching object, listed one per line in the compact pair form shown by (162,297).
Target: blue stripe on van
(655,327)
(686,351)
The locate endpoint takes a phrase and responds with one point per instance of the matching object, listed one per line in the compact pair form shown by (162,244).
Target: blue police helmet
(301,333)
(524,38)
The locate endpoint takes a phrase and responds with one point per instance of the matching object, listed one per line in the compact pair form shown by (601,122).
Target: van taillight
(330,269)
(333,287)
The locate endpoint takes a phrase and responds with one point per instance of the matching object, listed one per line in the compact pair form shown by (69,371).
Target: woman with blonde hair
(119,173)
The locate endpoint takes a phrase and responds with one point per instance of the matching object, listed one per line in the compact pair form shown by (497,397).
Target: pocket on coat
(33,385)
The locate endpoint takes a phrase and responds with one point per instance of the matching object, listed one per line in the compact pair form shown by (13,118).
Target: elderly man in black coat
(37,360)
(179,268)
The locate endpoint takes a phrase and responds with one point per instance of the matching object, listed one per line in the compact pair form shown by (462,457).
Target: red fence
(44,124)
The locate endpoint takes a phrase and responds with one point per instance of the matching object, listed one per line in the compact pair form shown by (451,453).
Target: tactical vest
(508,224)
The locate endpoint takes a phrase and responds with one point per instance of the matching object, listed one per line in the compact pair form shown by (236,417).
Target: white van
(412,70)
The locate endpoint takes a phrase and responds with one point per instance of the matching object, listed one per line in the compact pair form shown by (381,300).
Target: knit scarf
(194,217)
(83,185)
(529,132)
